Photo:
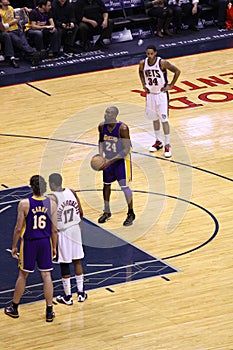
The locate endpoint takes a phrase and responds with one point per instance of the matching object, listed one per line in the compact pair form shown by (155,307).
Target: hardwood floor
(183,205)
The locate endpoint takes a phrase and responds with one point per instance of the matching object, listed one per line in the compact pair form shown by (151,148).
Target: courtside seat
(117,13)
(136,11)
(137,15)
(207,12)
(128,13)
(120,19)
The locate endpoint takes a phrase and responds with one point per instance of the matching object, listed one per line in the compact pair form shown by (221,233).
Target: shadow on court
(108,259)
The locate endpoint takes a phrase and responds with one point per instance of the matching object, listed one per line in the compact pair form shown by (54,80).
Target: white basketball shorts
(70,244)
(157,106)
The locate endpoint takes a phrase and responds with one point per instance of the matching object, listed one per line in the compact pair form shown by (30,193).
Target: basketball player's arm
(142,76)
(53,205)
(125,139)
(53,197)
(79,204)
(101,149)
(167,65)
(23,208)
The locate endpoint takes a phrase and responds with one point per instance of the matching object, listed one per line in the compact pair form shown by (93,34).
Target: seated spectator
(93,19)
(163,13)
(187,10)
(64,19)
(220,8)
(177,14)
(13,37)
(41,29)
(7,45)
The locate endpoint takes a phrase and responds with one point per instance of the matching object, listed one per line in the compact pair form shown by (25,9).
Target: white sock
(66,286)
(157,135)
(79,282)
(167,139)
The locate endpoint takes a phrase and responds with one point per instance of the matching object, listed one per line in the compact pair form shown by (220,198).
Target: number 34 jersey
(68,211)
(155,77)
(37,222)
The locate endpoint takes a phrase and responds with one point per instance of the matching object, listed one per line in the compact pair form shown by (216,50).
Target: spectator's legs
(7,42)
(190,19)
(20,42)
(85,31)
(71,36)
(37,38)
(60,33)
(69,39)
(106,33)
(187,13)
(222,6)
(177,17)
(54,41)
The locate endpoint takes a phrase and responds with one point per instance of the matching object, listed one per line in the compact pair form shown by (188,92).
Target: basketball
(97,162)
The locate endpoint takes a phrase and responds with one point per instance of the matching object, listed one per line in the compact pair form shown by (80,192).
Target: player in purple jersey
(36,226)
(115,146)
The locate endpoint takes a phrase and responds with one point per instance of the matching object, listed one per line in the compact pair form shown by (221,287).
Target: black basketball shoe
(104,217)
(129,220)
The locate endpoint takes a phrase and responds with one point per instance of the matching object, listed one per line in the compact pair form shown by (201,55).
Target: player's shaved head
(111,114)
(114,110)
(151,47)
(56,179)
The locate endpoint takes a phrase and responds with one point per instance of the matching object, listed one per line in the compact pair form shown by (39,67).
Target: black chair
(207,12)
(117,13)
(136,12)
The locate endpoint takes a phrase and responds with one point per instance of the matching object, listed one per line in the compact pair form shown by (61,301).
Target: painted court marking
(104,265)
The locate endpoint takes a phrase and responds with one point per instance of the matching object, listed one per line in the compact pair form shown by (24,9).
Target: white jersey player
(70,249)
(153,76)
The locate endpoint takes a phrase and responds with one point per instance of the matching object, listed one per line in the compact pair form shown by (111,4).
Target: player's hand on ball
(97,162)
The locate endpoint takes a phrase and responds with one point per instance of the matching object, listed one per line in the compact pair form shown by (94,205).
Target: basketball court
(165,282)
